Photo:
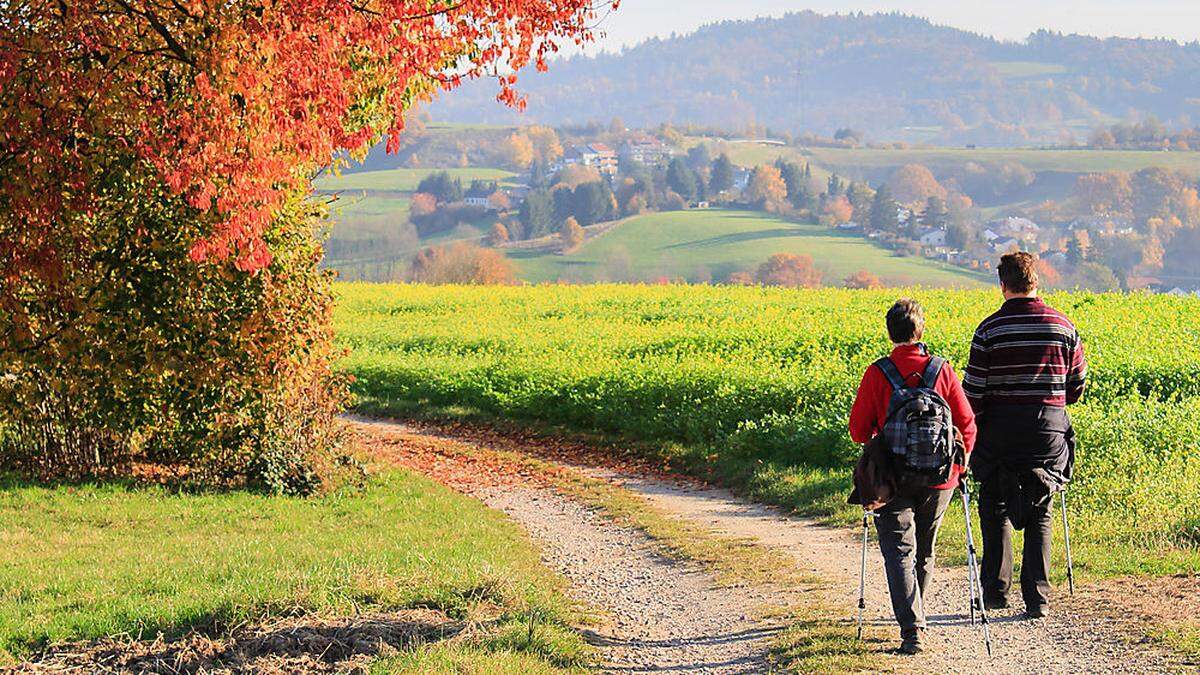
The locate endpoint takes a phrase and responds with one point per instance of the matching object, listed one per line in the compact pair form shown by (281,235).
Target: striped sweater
(1025,354)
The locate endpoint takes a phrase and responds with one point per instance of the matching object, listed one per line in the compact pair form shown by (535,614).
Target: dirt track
(669,616)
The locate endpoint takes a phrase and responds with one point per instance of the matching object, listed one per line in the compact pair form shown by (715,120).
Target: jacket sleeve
(864,415)
(960,407)
(975,379)
(1077,375)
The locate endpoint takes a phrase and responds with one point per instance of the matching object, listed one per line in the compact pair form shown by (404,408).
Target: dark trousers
(908,529)
(997,529)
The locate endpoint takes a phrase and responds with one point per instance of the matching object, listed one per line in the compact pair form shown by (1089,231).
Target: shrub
(571,234)
(462,263)
(789,269)
(224,376)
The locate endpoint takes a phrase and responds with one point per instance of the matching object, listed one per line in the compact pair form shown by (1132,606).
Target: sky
(1005,19)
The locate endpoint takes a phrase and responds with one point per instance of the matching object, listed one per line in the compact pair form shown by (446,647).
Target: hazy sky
(1006,19)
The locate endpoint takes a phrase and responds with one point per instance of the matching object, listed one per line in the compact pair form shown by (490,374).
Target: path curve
(669,617)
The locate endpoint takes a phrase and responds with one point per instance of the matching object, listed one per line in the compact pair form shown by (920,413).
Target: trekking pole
(1067,540)
(862,575)
(973,567)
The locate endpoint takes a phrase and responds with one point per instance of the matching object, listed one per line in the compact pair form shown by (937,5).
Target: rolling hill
(892,76)
(370,236)
(709,245)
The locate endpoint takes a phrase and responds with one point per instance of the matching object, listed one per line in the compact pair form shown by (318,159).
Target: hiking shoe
(995,603)
(1037,611)
(912,641)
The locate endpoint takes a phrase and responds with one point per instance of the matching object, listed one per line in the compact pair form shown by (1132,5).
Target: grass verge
(83,562)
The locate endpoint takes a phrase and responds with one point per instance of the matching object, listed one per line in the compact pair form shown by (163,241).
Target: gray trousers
(908,529)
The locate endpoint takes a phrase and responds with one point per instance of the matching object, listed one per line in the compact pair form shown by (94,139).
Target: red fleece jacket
(870,410)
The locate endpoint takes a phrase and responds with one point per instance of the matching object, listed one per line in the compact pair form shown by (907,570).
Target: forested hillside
(888,75)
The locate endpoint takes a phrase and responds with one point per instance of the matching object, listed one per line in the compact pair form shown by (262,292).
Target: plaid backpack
(919,429)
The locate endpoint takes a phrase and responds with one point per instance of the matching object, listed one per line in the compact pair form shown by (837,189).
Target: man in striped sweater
(1027,365)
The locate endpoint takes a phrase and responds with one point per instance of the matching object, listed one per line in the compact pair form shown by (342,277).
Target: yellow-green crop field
(753,385)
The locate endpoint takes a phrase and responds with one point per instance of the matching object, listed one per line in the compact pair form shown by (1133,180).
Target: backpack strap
(933,371)
(892,373)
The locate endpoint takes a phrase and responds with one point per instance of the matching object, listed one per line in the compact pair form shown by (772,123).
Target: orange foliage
(767,188)
(864,280)
(1048,276)
(914,183)
(498,235)
(838,210)
(571,234)
(790,270)
(232,103)
(422,204)
(462,263)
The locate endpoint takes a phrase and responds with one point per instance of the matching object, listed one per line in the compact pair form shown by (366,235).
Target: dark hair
(906,321)
(1018,272)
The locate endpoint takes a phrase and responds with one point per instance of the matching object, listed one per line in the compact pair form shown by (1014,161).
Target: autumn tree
(576,175)
(914,184)
(516,151)
(571,234)
(836,211)
(546,146)
(498,235)
(1104,194)
(498,201)
(790,270)
(766,189)
(462,263)
(863,280)
(160,285)
(1079,247)
(422,204)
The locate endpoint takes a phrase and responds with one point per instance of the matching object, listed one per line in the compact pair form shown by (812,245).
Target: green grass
(363,216)
(1183,638)
(441,659)
(702,245)
(94,560)
(751,387)
(402,180)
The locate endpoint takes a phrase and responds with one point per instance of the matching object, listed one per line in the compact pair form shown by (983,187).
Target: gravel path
(1071,640)
(662,616)
(665,616)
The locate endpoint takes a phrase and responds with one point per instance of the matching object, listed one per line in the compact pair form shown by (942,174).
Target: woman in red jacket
(908,524)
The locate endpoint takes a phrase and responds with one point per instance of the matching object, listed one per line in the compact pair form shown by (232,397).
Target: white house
(1015,226)
(647,150)
(597,155)
(934,238)
(990,235)
(741,178)
(1006,244)
(1181,293)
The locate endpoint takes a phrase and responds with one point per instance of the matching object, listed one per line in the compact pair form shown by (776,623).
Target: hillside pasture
(402,180)
(846,160)
(708,245)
